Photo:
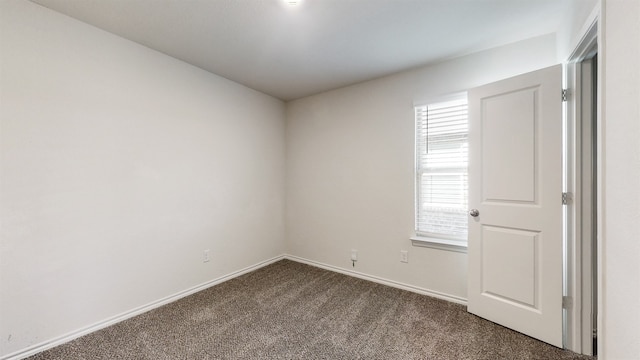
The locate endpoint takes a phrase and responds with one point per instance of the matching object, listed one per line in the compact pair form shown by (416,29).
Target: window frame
(432,240)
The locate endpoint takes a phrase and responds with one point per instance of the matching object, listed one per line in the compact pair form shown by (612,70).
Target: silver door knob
(474,212)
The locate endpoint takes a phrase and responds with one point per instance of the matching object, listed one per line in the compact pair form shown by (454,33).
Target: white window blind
(441,169)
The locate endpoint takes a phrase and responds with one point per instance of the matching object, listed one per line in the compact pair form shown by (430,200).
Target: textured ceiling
(294,51)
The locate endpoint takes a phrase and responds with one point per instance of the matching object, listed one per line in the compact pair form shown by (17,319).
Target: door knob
(474,212)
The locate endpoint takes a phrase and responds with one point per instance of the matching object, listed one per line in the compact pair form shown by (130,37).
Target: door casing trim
(579,264)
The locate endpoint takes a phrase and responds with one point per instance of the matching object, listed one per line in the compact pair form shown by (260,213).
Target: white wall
(579,15)
(350,167)
(119,166)
(620,309)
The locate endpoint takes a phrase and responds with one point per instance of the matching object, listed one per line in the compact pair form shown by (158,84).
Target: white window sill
(441,244)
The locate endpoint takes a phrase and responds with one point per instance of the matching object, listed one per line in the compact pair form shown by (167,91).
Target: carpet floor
(289,310)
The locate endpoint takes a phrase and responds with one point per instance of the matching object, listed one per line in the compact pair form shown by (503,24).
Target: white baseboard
(395,284)
(32,350)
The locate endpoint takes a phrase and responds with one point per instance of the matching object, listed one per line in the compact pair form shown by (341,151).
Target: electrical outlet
(205,256)
(354,255)
(404,256)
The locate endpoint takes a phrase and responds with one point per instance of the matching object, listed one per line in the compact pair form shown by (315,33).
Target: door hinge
(567,302)
(565,198)
(565,95)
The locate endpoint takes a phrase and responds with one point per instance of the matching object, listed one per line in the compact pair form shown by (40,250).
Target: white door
(515,184)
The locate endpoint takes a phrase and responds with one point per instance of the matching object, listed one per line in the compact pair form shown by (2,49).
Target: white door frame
(579,258)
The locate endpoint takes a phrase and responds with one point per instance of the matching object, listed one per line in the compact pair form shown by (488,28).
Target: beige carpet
(289,310)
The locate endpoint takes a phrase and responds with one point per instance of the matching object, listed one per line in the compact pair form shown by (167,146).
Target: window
(442,151)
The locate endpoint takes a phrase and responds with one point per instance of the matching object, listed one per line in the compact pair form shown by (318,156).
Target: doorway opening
(581,184)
